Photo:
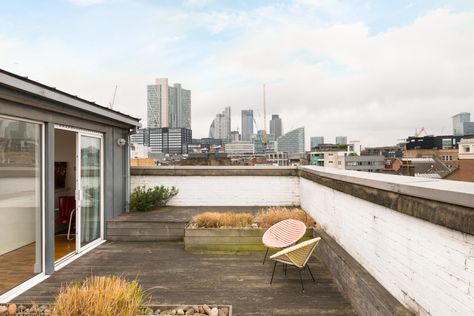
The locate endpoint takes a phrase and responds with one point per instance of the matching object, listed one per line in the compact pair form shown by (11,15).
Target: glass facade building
(292,142)
(316,140)
(247,124)
(341,140)
(169,140)
(276,126)
(458,123)
(168,106)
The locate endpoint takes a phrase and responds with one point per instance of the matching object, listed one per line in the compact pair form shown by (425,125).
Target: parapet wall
(414,236)
(224,186)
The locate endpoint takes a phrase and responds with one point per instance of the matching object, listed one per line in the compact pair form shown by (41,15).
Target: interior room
(64,193)
(20,202)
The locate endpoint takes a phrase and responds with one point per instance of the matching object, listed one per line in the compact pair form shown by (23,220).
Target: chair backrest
(284,233)
(298,254)
(66,204)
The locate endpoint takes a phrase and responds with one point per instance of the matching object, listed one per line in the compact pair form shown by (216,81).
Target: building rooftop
(41,90)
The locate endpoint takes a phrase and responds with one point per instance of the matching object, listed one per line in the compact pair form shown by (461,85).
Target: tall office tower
(316,140)
(292,142)
(341,140)
(234,136)
(168,106)
(276,127)
(458,123)
(247,124)
(220,127)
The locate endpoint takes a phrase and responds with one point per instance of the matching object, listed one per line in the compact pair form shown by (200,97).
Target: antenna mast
(264,119)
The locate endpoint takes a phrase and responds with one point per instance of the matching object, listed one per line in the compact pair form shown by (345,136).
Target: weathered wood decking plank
(173,276)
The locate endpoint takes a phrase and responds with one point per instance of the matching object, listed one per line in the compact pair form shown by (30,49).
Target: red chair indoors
(67,208)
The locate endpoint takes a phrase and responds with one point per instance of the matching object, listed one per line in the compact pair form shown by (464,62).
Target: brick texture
(227,190)
(427,267)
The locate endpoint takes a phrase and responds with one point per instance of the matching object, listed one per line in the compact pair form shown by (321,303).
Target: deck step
(145,231)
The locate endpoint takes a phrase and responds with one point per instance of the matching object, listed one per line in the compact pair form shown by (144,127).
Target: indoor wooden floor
(16,267)
(63,247)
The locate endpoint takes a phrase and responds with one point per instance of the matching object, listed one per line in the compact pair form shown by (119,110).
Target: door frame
(100,136)
(82,250)
(40,277)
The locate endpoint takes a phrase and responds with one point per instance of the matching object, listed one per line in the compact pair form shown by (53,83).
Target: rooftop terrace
(178,277)
(391,245)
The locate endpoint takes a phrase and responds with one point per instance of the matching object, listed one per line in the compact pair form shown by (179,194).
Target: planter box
(23,309)
(227,239)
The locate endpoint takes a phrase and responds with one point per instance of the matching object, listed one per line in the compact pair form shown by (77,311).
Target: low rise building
(169,140)
(465,167)
(240,148)
(278,158)
(139,151)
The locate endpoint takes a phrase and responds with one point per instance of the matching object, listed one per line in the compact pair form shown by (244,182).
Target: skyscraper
(168,106)
(316,140)
(341,140)
(292,142)
(458,123)
(220,126)
(247,124)
(276,127)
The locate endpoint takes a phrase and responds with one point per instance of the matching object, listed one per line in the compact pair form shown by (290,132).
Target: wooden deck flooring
(173,276)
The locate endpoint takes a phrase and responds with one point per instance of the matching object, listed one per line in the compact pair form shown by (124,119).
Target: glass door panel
(90,179)
(20,202)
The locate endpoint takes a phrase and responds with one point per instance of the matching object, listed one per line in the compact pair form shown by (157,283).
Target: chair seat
(284,234)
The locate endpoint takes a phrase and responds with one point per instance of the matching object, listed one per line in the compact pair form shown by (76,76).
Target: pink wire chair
(283,234)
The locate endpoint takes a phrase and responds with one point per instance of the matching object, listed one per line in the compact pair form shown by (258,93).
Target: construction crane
(419,132)
(111,104)
(264,119)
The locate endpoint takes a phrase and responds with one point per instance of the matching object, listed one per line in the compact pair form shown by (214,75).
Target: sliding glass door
(21,251)
(89,217)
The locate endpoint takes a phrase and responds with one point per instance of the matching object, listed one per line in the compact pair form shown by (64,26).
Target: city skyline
(364,65)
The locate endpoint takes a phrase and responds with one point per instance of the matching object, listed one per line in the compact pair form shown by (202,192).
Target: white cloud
(383,87)
(87,2)
(197,3)
(335,79)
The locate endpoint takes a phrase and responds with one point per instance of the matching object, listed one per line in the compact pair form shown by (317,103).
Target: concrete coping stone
(447,191)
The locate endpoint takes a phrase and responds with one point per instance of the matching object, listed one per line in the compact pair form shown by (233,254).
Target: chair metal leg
(274,266)
(286,268)
(310,273)
(266,253)
(301,279)
(70,223)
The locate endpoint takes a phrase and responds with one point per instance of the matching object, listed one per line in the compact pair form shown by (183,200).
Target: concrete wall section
(427,267)
(227,190)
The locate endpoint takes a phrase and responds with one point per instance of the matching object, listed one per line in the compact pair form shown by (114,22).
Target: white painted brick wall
(227,190)
(427,267)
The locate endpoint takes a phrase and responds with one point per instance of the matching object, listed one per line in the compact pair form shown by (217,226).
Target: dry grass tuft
(104,296)
(227,219)
(268,217)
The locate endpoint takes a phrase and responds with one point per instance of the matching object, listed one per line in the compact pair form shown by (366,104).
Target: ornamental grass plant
(268,217)
(264,219)
(100,296)
(226,219)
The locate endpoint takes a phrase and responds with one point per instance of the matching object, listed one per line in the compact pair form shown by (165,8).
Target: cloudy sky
(372,70)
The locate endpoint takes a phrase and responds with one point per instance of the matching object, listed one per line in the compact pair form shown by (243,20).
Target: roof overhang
(45,92)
